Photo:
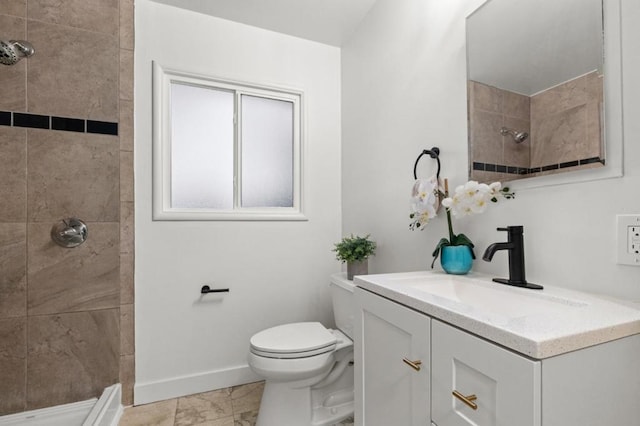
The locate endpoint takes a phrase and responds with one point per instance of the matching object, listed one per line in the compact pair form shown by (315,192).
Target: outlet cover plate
(625,223)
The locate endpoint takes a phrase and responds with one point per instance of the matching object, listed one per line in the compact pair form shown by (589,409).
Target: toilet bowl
(308,368)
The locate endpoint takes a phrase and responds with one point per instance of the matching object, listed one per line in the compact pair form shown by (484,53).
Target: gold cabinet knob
(413,364)
(466,399)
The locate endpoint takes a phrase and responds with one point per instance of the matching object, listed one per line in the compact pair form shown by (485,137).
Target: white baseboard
(145,393)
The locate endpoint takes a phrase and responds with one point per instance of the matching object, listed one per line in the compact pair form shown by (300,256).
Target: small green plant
(355,248)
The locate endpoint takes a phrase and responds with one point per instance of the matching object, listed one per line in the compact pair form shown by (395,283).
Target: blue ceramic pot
(456,259)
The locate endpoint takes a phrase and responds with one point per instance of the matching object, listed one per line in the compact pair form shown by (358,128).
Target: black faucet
(515,246)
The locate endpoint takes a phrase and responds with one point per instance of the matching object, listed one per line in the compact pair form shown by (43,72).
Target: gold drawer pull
(413,364)
(466,399)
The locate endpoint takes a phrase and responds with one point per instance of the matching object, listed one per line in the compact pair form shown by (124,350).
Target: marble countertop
(536,323)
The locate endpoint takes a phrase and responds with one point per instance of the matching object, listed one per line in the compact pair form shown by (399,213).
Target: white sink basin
(502,302)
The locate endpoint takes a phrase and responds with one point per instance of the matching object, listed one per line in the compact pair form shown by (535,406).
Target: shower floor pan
(105,411)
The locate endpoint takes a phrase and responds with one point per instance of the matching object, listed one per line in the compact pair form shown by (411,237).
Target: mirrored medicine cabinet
(544,91)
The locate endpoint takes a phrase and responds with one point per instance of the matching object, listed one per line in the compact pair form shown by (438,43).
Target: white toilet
(308,368)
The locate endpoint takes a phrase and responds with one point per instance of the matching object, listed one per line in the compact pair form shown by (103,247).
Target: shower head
(518,137)
(13,50)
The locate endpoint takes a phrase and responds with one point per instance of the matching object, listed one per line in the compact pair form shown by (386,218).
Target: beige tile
(127,378)
(247,397)
(74,72)
(93,15)
(516,154)
(13,365)
(126,278)
(559,138)
(13,270)
(517,105)
(13,79)
(486,140)
(126,75)
(246,418)
(127,227)
(204,407)
(125,128)
(156,414)
(595,145)
(126,176)
(127,343)
(595,87)
(126,24)
(13,7)
(70,280)
(560,98)
(72,174)
(486,98)
(13,166)
(71,357)
(226,421)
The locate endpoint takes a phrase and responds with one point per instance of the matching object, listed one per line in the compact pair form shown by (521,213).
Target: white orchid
(424,202)
(473,197)
(470,198)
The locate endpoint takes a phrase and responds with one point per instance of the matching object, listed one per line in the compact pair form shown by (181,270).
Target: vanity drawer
(504,386)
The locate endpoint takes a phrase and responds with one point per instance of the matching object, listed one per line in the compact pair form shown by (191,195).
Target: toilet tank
(343,303)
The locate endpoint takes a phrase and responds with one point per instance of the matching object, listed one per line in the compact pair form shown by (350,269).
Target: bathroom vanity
(446,350)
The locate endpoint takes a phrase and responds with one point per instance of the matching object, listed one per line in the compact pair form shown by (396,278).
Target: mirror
(537,90)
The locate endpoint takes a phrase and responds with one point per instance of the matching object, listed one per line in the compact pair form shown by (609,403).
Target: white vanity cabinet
(393,363)
(494,386)
(594,385)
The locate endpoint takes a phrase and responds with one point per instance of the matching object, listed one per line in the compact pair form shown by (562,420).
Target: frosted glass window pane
(201,147)
(267,152)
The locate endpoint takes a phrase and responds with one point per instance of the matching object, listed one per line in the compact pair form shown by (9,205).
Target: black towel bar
(206,289)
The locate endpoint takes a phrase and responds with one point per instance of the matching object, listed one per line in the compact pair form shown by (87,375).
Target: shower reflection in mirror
(535,79)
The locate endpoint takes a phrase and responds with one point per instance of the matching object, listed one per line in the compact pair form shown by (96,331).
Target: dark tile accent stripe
(36,121)
(514,170)
(68,124)
(569,164)
(591,160)
(102,127)
(33,121)
(5,118)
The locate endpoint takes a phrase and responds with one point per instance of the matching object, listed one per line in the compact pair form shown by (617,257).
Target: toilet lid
(293,338)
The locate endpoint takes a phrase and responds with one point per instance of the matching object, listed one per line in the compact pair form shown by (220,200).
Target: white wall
(277,272)
(404,90)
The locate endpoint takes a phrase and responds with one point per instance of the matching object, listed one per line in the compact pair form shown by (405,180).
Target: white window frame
(163,78)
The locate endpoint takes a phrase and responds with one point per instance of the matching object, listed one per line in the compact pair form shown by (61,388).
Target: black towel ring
(433,153)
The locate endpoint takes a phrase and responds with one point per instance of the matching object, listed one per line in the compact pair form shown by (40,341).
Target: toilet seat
(291,341)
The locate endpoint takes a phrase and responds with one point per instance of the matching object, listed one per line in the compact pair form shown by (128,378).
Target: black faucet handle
(515,229)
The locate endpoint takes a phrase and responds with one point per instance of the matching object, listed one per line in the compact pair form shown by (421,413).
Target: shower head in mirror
(13,50)
(518,137)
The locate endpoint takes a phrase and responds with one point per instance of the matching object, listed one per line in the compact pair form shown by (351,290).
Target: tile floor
(235,406)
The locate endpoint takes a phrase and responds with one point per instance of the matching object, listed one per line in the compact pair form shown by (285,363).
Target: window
(225,150)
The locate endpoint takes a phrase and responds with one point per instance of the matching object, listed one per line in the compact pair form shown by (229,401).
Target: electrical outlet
(633,238)
(628,239)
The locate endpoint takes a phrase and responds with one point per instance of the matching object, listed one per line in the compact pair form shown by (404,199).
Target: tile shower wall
(563,122)
(66,315)
(490,109)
